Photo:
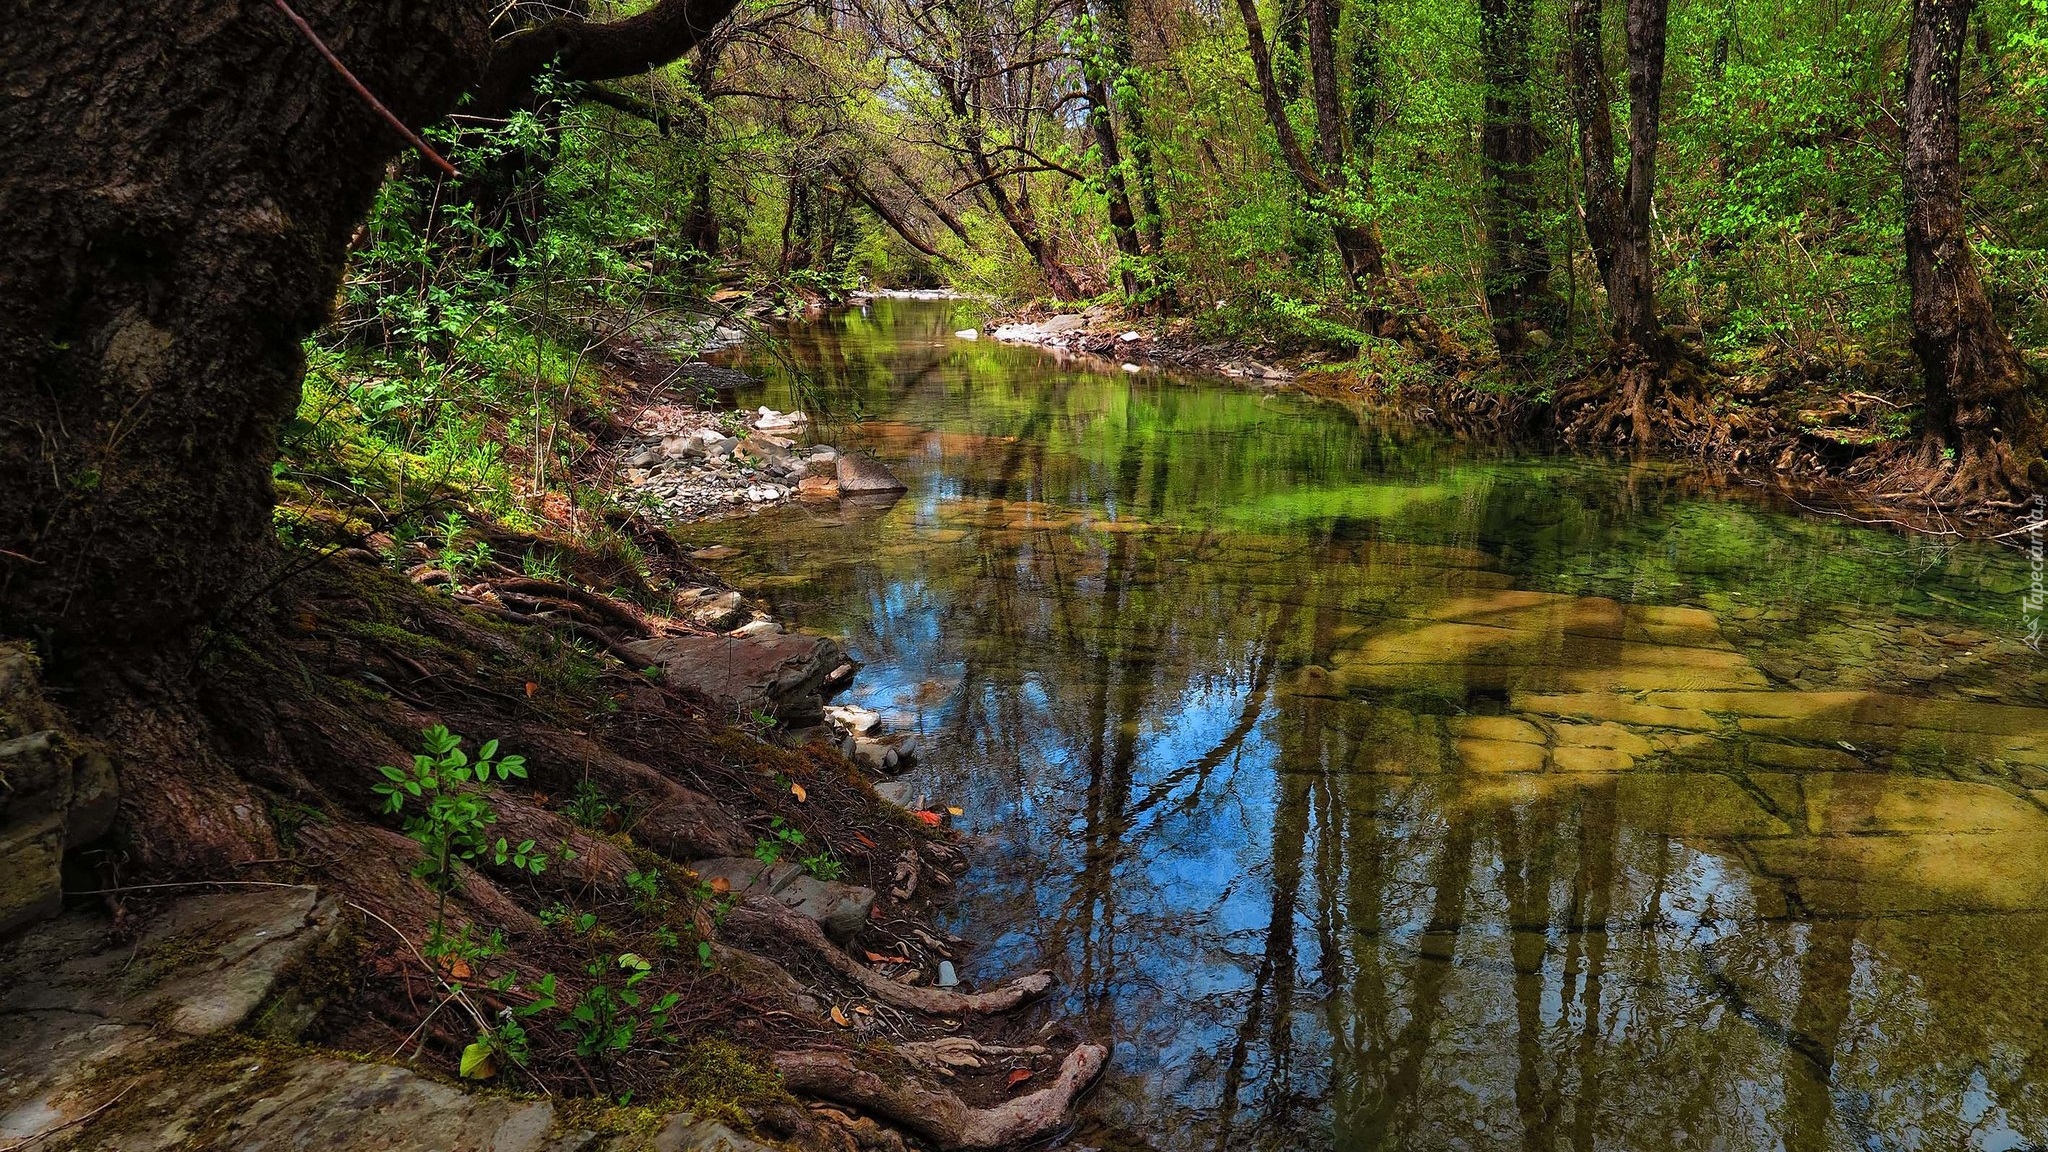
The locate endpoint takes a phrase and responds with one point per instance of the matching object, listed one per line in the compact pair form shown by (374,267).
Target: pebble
(947,977)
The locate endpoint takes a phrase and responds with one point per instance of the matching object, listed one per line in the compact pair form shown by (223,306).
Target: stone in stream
(840,909)
(859,475)
(769,420)
(817,488)
(711,609)
(783,676)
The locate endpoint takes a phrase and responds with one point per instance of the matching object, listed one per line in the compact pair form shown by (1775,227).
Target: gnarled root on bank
(766,915)
(936,1115)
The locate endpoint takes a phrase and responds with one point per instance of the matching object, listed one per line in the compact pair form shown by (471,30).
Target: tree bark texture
(1618,215)
(184,178)
(1518,265)
(1976,397)
(178,209)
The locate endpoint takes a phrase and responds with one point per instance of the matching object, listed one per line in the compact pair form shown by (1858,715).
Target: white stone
(967,334)
(1130,337)
(1133,368)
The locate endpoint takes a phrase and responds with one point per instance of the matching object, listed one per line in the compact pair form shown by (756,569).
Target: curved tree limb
(935,1114)
(762,912)
(582,50)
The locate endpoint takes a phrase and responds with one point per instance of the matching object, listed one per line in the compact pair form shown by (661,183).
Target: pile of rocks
(859,734)
(698,463)
(723,463)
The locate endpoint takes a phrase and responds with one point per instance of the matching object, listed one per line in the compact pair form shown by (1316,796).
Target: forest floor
(1831,434)
(731,925)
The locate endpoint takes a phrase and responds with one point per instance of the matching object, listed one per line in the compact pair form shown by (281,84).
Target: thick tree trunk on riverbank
(1978,410)
(179,209)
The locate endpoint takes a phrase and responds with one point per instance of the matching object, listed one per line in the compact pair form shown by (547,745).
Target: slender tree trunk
(1395,309)
(700,223)
(1635,314)
(1015,211)
(1592,97)
(1978,410)
(1153,222)
(1518,266)
(1618,215)
(1096,72)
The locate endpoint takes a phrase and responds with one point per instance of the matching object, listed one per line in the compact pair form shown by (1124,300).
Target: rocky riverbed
(690,462)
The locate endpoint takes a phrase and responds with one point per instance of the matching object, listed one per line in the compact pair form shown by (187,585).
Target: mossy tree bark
(184,179)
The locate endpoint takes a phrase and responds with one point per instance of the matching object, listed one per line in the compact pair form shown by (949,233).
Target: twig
(18,1145)
(375,104)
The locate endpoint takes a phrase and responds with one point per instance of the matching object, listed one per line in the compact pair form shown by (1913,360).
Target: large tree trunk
(184,177)
(172,240)
(179,206)
(1978,409)
(1518,266)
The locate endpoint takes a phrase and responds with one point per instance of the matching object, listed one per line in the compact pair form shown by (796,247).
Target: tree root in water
(935,1114)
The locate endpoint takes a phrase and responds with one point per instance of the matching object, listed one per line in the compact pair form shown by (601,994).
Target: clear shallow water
(1373,791)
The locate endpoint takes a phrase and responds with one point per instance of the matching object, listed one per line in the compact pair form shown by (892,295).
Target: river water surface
(1369,790)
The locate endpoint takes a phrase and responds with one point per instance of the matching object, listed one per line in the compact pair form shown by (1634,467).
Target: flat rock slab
(784,676)
(859,475)
(140,1047)
(74,1006)
(840,909)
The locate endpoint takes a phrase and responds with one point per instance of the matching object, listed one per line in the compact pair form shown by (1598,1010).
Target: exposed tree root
(936,1115)
(763,913)
(949,1054)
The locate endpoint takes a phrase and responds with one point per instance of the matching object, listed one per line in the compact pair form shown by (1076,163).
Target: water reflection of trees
(1308,934)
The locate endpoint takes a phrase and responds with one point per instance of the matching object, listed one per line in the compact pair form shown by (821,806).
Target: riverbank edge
(431,643)
(1827,451)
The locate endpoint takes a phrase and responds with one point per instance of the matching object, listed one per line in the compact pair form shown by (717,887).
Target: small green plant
(456,559)
(452,817)
(768,849)
(824,866)
(590,808)
(765,721)
(458,945)
(541,567)
(644,888)
(607,1021)
(507,1040)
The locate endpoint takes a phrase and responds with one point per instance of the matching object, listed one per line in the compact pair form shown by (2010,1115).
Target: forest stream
(1368,789)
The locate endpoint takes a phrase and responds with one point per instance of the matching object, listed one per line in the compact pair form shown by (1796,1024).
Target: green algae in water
(1375,791)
